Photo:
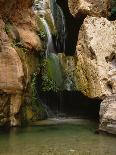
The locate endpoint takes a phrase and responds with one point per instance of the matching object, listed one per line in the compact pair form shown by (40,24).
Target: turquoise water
(57,139)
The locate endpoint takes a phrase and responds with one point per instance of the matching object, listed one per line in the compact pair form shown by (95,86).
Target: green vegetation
(35,102)
(32,109)
(51,24)
(48,84)
(42,31)
(20,46)
(7,28)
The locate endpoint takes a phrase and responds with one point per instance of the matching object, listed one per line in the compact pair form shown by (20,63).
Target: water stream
(50,46)
(60,23)
(53,67)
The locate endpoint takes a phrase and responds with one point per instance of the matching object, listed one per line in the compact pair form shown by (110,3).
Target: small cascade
(57,74)
(60,23)
(57,85)
(40,7)
(62,36)
(50,46)
(68,66)
(53,64)
(52,79)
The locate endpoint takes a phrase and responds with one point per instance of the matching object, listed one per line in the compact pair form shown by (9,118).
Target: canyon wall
(96,57)
(19,47)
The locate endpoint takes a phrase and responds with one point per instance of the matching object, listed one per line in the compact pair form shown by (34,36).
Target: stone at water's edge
(108,115)
(96,66)
(96,57)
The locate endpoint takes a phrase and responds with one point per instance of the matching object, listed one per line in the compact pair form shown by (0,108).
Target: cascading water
(57,85)
(60,23)
(53,68)
(40,7)
(50,46)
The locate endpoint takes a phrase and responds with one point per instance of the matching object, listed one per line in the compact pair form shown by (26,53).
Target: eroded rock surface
(89,7)
(19,46)
(96,71)
(108,115)
(96,66)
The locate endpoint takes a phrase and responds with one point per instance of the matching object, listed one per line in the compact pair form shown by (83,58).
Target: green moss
(33,110)
(50,24)
(48,84)
(7,28)
(35,102)
(20,46)
(81,75)
(42,31)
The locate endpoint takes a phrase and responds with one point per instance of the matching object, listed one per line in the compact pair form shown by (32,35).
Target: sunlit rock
(19,42)
(96,71)
(89,7)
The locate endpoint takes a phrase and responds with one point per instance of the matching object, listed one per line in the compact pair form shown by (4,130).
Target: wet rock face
(89,7)
(4,109)
(19,43)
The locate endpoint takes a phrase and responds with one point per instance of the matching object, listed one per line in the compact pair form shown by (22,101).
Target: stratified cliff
(96,57)
(19,47)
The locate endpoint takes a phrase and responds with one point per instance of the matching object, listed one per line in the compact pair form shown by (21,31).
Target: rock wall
(96,68)
(89,7)
(19,46)
(96,57)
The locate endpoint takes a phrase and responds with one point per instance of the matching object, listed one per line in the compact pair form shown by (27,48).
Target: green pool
(57,139)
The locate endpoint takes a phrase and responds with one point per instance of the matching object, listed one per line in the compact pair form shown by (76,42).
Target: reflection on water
(57,139)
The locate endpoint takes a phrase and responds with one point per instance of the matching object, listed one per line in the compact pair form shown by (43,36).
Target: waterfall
(40,7)
(60,24)
(62,32)
(53,66)
(68,66)
(58,68)
(50,46)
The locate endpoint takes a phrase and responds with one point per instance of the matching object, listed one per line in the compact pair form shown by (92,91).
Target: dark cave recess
(71,104)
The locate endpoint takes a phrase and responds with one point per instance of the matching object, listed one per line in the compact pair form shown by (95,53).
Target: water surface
(57,139)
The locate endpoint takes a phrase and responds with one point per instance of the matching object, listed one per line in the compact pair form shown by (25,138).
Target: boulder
(96,67)
(89,7)
(96,59)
